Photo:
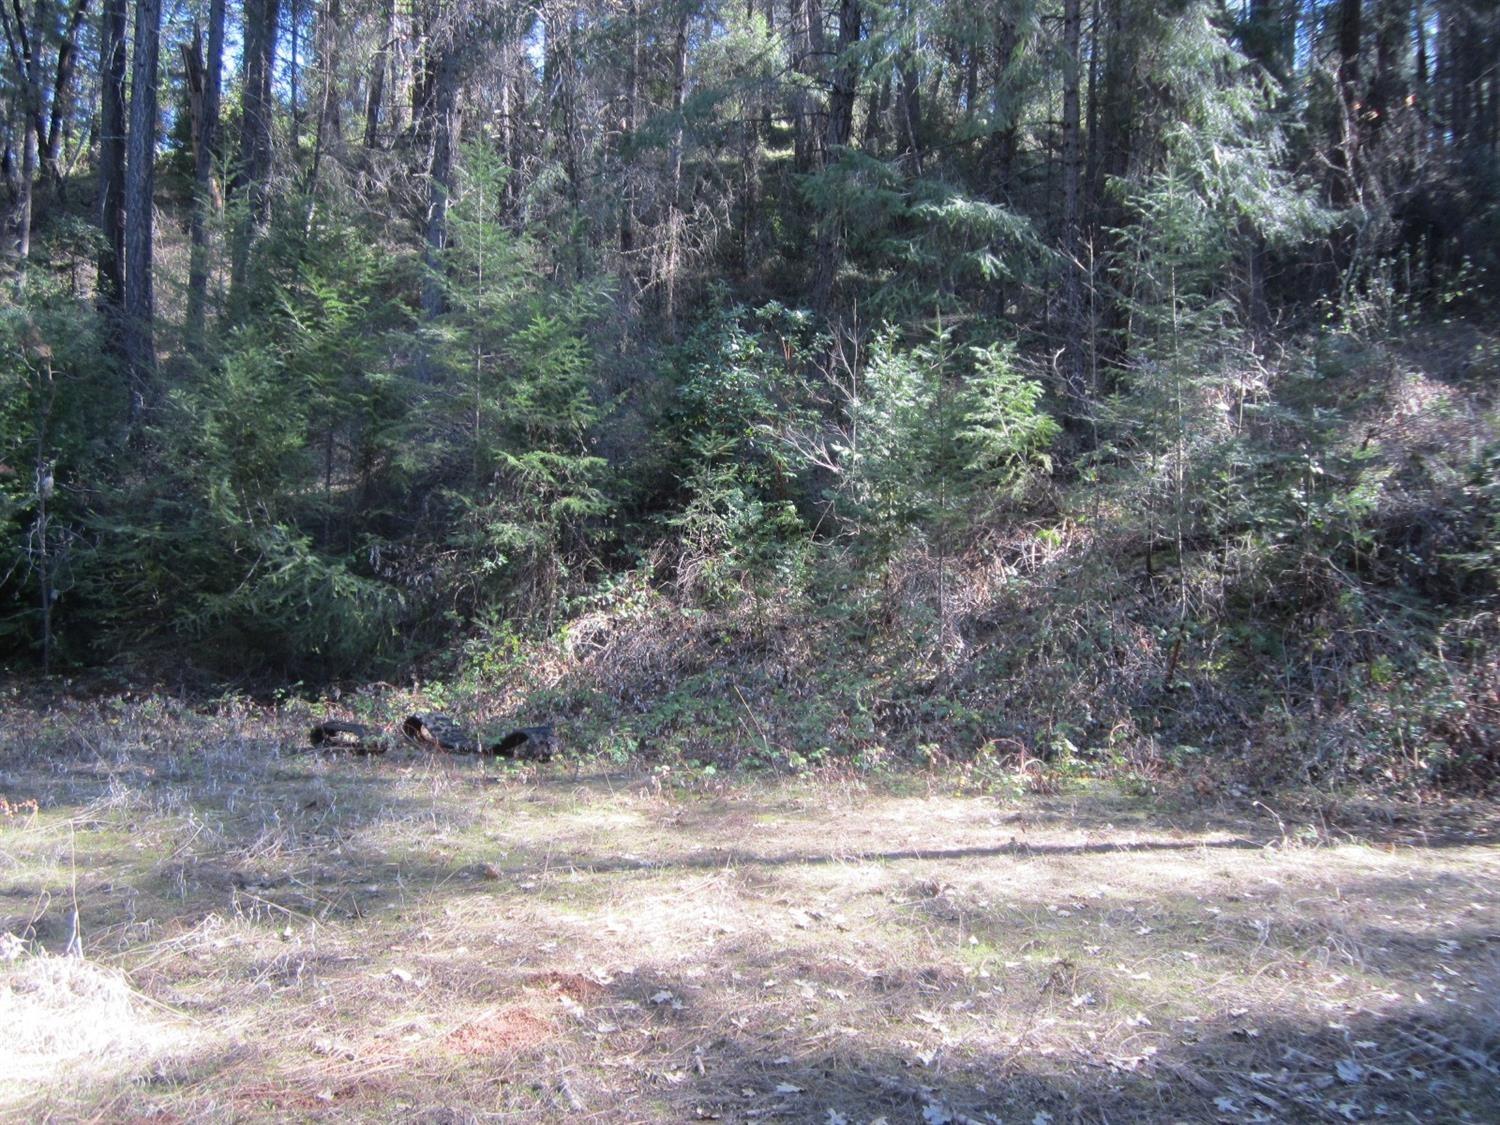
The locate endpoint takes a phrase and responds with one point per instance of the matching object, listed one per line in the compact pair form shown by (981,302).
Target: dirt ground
(201,921)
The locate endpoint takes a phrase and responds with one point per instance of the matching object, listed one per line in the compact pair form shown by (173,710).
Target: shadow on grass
(1221,1069)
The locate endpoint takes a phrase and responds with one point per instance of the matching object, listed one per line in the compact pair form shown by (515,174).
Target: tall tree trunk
(840,128)
(62,93)
(328,131)
(140,180)
(1260,35)
(330,59)
(1344,157)
(1006,103)
(377,76)
(632,95)
(112,163)
(424,64)
(25,199)
(572,158)
(909,110)
(206,77)
(254,172)
(1072,244)
(8,149)
(797,41)
(24,45)
(972,53)
(1419,25)
(872,137)
(294,75)
(444,125)
(1006,106)
(510,134)
(674,160)
(1116,111)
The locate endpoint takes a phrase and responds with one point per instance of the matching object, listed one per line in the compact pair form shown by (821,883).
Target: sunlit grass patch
(299,935)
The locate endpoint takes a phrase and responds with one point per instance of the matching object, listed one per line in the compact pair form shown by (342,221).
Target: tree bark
(254,172)
(24,46)
(205,140)
(140,181)
(1007,103)
(1344,157)
(111,282)
(909,110)
(1116,112)
(25,198)
(631,123)
(872,137)
(674,161)
(444,126)
(328,131)
(62,92)
(294,76)
(840,128)
(1263,37)
(377,76)
(1073,322)
(330,57)
(797,36)
(568,95)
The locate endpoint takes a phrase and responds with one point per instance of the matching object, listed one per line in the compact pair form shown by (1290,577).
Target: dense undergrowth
(1251,569)
(1220,501)
(1331,620)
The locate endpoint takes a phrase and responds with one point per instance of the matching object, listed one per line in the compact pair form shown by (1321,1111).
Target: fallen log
(337,734)
(528,744)
(438,732)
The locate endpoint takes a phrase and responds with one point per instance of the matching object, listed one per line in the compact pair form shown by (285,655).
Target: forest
(1048,385)
(842,562)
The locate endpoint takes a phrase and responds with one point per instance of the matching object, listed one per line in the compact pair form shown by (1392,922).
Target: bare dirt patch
(266,933)
(500,1033)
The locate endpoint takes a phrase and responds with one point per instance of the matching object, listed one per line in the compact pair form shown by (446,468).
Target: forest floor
(267,933)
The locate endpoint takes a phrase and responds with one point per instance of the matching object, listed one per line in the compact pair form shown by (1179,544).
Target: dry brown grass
(269,934)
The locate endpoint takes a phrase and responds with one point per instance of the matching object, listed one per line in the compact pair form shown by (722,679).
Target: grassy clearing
(267,933)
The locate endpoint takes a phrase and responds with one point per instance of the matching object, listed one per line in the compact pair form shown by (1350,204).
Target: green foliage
(293,606)
(59,419)
(931,429)
(737,382)
(593,408)
(518,411)
(919,242)
(1005,432)
(222,547)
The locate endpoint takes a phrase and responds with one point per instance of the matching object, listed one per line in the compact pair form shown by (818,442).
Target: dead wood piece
(438,732)
(336,734)
(528,744)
